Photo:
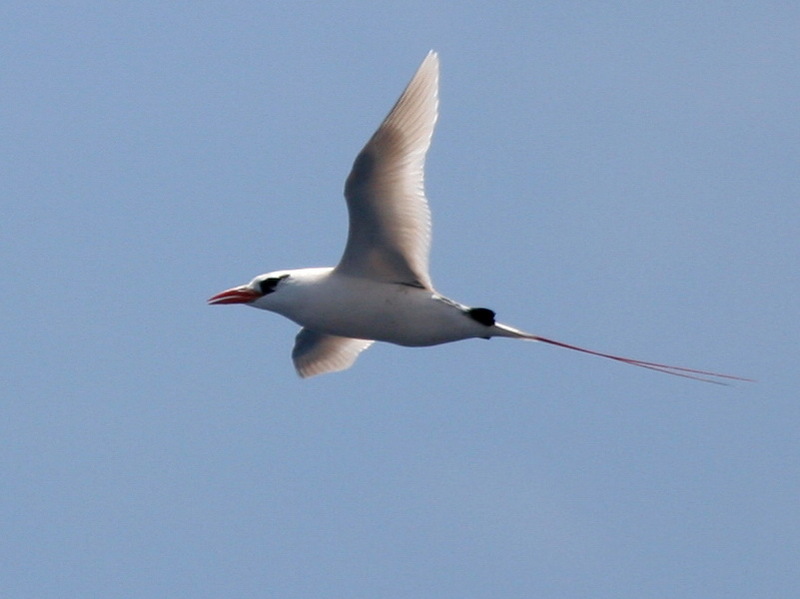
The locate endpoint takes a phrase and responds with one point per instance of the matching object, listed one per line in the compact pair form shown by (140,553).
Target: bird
(381,289)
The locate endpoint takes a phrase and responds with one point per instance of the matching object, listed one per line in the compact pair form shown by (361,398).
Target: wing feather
(315,353)
(390,225)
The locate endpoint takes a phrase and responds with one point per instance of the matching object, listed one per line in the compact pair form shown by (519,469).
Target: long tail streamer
(689,373)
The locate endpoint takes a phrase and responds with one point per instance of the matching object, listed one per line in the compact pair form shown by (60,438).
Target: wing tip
(431,61)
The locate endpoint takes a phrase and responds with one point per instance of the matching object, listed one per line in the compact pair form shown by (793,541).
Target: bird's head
(259,287)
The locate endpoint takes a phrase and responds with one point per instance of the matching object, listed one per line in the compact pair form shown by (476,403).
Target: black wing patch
(485,316)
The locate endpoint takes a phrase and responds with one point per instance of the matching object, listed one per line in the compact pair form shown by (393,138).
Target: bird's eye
(268,285)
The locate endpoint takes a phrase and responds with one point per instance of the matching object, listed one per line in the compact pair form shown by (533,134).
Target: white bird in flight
(381,289)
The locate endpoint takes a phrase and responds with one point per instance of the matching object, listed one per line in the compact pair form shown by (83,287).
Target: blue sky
(617,175)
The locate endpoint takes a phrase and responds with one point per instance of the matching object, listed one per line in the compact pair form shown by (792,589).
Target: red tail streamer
(689,373)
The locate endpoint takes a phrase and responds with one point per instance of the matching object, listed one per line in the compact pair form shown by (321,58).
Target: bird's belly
(392,313)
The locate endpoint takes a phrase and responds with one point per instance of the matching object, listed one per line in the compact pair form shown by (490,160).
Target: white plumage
(381,289)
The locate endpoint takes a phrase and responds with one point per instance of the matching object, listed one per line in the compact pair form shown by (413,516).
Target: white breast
(337,304)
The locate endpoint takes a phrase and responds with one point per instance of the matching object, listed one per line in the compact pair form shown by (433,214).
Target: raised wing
(390,223)
(315,353)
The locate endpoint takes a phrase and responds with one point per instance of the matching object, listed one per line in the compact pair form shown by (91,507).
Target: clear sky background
(623,175)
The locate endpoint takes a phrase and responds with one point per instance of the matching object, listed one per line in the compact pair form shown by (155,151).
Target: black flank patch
(485,316)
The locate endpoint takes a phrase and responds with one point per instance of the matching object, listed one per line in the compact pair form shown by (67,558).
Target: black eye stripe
(268,285)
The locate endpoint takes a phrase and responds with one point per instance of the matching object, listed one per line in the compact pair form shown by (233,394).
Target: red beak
(237,295)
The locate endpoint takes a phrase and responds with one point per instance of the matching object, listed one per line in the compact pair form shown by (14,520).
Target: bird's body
(381,289)
(326,301)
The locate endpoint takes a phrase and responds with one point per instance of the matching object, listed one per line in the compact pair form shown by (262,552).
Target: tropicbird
(381,289)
